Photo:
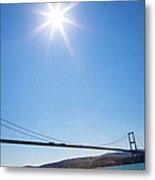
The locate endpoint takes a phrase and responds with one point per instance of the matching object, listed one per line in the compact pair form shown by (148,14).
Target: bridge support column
(132,143)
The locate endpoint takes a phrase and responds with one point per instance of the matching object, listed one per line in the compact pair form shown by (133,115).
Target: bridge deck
(62,145)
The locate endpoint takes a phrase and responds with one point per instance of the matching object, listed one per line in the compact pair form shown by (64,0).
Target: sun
(56,18)
(55,15)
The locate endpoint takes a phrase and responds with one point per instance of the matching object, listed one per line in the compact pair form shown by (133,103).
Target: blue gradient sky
(94,97)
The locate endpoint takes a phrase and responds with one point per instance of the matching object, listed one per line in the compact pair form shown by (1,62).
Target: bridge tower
(132,142)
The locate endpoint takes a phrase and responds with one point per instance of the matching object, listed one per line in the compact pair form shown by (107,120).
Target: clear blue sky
(92,97)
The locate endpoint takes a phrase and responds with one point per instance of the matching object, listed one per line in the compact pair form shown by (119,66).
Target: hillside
(110,159)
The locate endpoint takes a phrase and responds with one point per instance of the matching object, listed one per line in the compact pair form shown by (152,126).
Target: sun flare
(55,17)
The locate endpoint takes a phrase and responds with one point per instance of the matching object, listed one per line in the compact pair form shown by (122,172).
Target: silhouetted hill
(110,159)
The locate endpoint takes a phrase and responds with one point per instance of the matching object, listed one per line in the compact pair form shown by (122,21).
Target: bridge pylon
(132,142)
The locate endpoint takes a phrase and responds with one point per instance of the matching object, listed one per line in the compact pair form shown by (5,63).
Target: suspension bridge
(47,141)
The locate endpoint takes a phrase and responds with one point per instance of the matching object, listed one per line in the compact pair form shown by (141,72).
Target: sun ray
(74,24)
(67,42)
(54,18)
(50,6)
(40,27)
(69,7)
(28,36)
(49,41)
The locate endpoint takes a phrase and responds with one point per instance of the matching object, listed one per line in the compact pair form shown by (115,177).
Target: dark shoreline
(106,160)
